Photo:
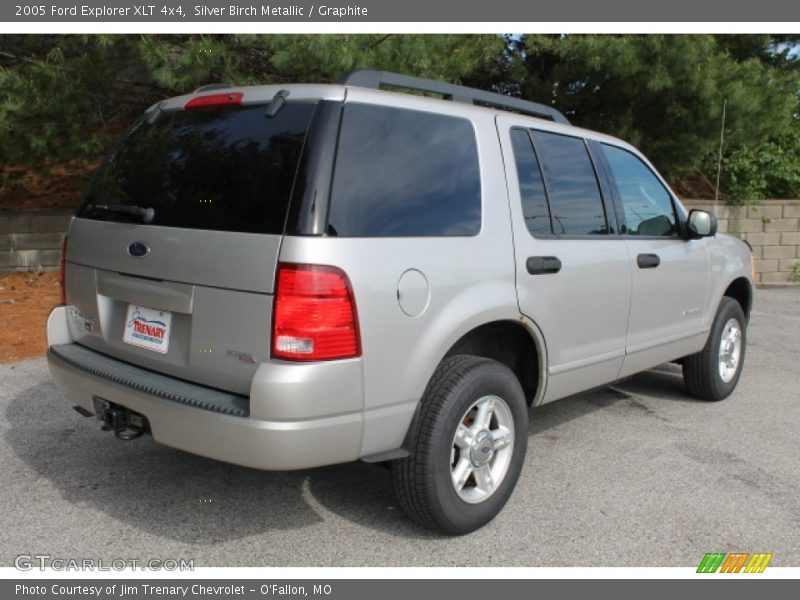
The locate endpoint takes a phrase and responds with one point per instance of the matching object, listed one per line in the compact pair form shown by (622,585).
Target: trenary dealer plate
(147,328)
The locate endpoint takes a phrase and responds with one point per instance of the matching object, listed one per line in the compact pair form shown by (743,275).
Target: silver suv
(291,277)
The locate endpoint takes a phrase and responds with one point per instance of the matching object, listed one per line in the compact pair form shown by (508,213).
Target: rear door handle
(648,261)
(543,265)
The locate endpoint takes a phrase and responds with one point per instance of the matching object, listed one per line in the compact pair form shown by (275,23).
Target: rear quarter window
(404,173)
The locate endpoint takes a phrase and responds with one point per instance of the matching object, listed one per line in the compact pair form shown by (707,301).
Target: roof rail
(369,78)
(211,86)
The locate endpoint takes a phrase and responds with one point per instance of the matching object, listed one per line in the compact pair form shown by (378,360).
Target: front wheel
(467,446)
(712,373)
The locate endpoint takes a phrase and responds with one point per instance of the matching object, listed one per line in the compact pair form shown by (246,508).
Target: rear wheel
(467,446)
(712,373)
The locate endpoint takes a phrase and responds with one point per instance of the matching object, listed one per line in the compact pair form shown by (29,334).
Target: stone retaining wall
(31,240)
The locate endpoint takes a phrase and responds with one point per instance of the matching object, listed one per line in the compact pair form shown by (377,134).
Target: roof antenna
(719,159)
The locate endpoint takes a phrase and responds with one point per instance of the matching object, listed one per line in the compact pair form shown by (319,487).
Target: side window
(646,203)
(404,173)
(531,186)
(572,189)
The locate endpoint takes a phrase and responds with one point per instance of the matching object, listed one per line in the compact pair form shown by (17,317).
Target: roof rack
(370,78)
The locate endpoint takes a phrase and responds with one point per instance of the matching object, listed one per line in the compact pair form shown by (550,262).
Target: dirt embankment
(25,302)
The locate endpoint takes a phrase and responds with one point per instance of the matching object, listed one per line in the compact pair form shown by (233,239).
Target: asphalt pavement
(637,474)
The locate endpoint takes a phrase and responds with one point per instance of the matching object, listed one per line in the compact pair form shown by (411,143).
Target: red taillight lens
(62,271)
(214,100)
(315,314)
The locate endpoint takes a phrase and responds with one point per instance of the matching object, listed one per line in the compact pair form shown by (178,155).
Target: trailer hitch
(126,424)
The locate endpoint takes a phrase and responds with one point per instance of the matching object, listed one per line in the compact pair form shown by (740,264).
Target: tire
(483,401)
(712,373)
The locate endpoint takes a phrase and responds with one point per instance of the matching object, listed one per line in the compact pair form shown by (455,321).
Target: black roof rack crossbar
(369,78)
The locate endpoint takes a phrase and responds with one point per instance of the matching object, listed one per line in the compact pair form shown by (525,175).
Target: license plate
(147,328)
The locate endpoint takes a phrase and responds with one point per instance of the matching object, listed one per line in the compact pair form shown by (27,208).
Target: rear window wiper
(146,214)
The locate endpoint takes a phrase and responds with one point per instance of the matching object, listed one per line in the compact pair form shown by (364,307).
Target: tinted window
(646,203)
(404,173)
(531,186)
(224,168)
(575,201)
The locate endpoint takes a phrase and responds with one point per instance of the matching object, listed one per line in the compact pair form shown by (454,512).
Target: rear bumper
(192,422)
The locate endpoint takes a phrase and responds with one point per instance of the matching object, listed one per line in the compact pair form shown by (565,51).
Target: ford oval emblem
(138,249)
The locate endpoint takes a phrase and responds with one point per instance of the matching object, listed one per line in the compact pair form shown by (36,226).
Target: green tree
(665,93)
(183,63)
(58,94)
(770,169)
(64,96)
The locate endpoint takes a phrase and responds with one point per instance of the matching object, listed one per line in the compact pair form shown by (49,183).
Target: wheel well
(508,343)
(740,290)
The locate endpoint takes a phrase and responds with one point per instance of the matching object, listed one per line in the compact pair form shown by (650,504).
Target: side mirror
(701,224)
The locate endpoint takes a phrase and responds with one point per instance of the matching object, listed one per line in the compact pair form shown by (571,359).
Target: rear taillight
(63,271)
(315,314)
(215,100)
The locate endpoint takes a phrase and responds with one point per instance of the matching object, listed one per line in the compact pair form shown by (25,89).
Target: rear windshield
(229,169)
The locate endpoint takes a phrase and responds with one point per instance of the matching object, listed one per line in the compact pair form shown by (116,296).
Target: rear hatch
(171,258)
